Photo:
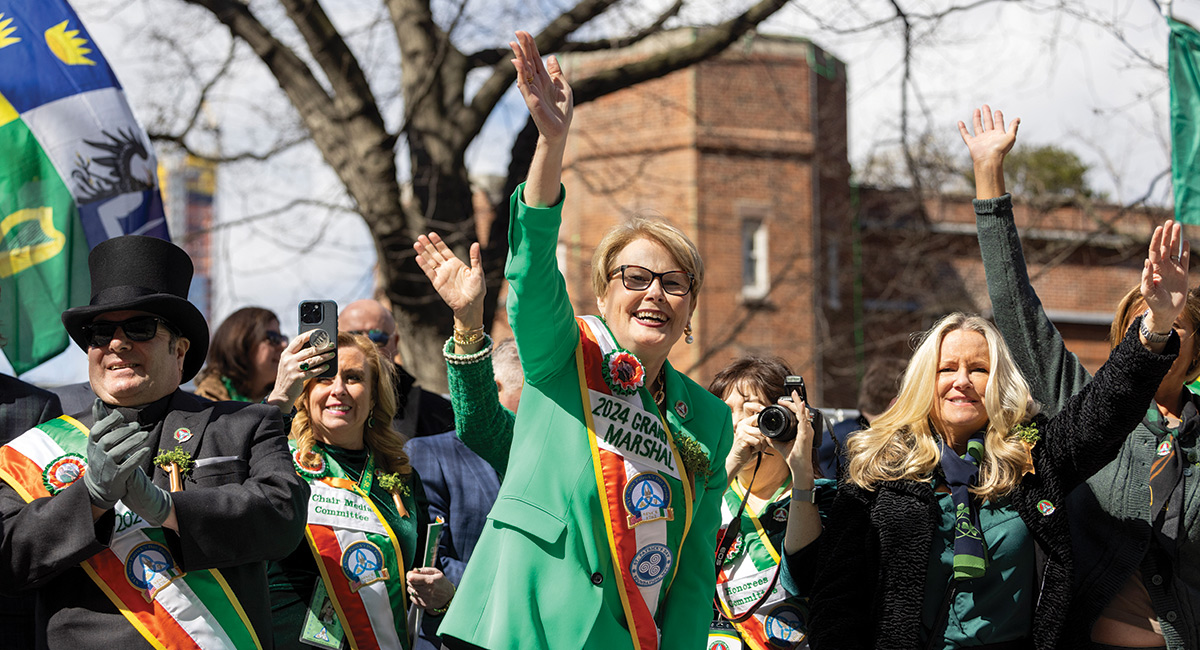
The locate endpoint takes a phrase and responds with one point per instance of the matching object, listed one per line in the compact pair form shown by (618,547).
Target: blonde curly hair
(378,435)
(902,443)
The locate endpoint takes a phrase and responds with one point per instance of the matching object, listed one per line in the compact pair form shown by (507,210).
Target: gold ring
(528,80)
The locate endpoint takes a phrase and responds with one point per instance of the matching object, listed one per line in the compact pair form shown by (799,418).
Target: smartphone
(320,317)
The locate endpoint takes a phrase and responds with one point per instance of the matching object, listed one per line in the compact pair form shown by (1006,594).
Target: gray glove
(146,499)
(115,448)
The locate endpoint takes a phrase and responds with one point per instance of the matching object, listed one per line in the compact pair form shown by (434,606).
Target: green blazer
(542,574)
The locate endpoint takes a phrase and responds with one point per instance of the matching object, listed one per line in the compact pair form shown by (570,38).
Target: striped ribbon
(779,622)
(372,614)
(638,546)
(170,608)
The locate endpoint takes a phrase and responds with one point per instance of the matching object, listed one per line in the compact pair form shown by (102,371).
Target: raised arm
(483,424)
(539,309)
(548,97)
(1089,431)
(1053,372)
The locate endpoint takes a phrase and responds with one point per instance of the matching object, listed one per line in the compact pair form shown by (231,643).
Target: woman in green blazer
(603,534)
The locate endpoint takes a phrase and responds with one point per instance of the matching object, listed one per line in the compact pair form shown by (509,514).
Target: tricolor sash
(638,472)
(358,555)
(170,608)
(781,620)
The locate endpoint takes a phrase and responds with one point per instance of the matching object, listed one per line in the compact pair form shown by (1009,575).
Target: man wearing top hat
(90,524)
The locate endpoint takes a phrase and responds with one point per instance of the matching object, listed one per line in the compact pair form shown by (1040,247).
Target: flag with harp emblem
(75,169)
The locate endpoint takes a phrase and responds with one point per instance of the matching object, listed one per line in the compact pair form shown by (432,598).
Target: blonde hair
(378,435)
(657,230)
(902,443)
(1133,304)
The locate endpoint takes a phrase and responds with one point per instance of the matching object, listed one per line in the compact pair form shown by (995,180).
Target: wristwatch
(1152,337)
(805,496)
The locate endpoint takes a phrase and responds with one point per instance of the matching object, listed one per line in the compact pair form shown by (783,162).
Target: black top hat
(143,274)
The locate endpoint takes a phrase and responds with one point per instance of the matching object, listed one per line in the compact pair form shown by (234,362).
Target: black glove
(115,448)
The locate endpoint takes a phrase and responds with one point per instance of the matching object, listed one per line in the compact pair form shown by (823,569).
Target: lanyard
(368,476)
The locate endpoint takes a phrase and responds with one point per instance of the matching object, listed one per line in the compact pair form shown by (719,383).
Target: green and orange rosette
(623,373)
(310,472)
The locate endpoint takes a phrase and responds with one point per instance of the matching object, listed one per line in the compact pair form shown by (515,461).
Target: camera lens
(777,422)
(310,312)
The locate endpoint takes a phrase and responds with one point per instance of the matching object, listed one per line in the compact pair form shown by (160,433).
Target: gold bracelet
(468,337)
(444,608)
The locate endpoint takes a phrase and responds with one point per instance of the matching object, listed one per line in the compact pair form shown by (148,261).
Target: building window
(755,283)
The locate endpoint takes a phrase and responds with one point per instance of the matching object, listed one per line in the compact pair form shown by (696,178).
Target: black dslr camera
(779,423)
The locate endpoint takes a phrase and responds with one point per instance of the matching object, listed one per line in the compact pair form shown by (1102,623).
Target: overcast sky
(1071,82)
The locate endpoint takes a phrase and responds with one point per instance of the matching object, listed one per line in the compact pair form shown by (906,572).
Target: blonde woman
(353,579)
(949,529)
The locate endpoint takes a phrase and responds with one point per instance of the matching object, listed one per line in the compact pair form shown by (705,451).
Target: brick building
(747,154)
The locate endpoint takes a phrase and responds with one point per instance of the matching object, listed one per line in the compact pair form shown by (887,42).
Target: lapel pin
(681,409)
(183,434)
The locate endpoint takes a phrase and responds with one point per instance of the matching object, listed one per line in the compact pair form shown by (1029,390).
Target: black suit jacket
(23,406)
(243,504)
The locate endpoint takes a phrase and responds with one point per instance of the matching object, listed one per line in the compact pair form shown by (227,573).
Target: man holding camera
(125,549)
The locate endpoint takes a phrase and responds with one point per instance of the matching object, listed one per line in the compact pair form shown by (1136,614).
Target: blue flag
(75,169)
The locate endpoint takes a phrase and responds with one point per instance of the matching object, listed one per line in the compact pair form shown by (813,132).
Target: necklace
(659,396)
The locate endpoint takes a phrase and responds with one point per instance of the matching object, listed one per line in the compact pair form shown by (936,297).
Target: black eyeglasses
(275,337)
(99,333)
(637,278)
(378,337)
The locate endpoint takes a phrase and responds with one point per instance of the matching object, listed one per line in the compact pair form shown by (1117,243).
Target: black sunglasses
(378,337)
(275,337)
(638,278)
(99,333)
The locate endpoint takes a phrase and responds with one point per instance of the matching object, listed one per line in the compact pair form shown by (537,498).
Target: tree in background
(446,93)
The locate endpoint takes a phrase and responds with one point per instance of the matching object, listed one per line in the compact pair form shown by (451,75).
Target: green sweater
(1111,531)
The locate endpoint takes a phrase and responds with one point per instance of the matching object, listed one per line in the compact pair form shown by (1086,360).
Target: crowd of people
(576,490)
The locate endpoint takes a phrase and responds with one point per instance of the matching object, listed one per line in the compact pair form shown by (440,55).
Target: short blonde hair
(1133,304)
(644,227)
(902,443)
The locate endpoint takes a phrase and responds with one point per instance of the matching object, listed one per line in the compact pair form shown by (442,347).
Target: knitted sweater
(874,555)
(1112,534)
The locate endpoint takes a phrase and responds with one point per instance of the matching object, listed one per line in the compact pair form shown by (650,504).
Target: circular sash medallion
(784,625)
(362,562)
(650,565)
(311,473)
(150,567)
(63,471)
(647,498)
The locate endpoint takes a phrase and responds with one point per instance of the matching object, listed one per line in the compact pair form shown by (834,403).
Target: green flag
(75,170)
(1183,69)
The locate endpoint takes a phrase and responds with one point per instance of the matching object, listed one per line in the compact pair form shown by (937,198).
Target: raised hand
(544,87)
(297,364)
(461,287)
(988,146)
(115,448)
(991,140)
(1164,276)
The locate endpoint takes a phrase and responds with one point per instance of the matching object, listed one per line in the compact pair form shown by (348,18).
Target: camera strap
(725,542)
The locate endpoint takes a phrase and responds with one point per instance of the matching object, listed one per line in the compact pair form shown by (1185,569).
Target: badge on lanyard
(322,627)
(647,498)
